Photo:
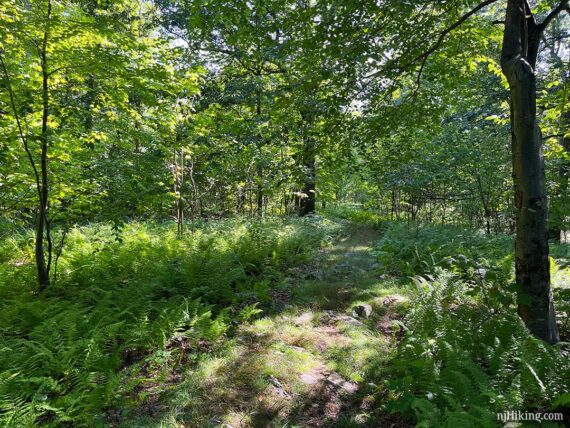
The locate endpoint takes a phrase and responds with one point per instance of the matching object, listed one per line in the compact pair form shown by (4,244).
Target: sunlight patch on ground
(305,365)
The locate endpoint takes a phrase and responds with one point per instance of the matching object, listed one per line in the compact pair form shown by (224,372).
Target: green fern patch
(122,297)
(462,362)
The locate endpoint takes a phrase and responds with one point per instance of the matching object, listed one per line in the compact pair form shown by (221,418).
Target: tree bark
(518,59)
(308,159)
(43,232)
(259,161)
(485,203)
(179,197)
(307,202)
(260,199)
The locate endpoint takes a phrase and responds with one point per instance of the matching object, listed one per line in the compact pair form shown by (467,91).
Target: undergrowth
(465,354)
(133,306)
(121,296)
(355,214)
(409,249)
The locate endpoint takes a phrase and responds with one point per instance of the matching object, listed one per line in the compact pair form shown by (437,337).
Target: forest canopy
(195,156)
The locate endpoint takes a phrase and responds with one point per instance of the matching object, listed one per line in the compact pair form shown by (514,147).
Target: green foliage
(411,249)
(442,376)
(135,110)
(355,214)
(121,296)
(560,278)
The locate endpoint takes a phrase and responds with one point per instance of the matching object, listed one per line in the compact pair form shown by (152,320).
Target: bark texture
(42,220)
(308,200)
(518,60)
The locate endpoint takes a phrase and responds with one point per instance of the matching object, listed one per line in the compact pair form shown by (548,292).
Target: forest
(284,213)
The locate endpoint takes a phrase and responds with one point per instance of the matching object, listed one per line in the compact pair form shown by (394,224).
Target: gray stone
(279,389)
(481,273)
(339,383)
(304,318)
(335,317)
(362,311)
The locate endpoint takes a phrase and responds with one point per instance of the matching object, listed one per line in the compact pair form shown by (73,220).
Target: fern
(129,291)
(443,377)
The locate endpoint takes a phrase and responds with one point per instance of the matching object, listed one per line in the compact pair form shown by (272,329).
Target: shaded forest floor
(309,363)
(340,320)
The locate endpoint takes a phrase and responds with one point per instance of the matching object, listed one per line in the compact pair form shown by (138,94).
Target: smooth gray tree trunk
(518,59)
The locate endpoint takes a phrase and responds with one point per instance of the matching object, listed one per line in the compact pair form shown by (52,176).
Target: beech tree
(522,37)
(520,48)
(190,110)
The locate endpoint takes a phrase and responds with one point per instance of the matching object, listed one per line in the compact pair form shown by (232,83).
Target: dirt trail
(317,351)
(310,363)
(356,249)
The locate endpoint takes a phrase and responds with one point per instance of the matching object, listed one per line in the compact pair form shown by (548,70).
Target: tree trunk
(241,200)
(259,200)
(518,59)
(308,198)
(259,164)
(43,229)
(180,200)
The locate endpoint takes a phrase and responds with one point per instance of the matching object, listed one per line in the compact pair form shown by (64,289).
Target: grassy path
(309,365)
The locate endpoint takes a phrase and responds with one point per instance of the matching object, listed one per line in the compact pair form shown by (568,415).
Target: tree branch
(424,56)
(23,137)
(563,5)
(547,137)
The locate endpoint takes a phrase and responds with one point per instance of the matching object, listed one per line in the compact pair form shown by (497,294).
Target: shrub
(466,355)
(355,214)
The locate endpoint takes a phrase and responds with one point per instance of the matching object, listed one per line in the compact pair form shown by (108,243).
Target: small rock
(338,382)
(330,317)
(311,378)
(390,300)
(351,321)
(297,348)
(279,389)
(275,382)
(362,311)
